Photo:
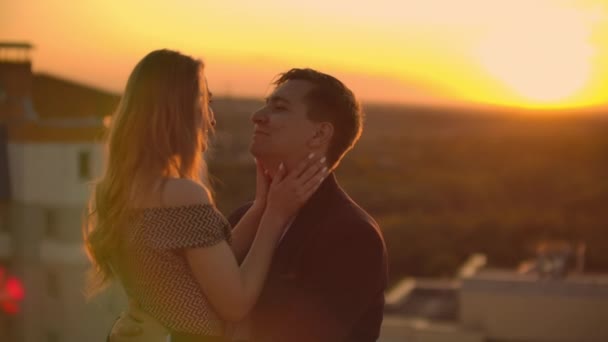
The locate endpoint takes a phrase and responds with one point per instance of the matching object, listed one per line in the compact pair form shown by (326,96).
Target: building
(499,305)
(508,306)
(50,150)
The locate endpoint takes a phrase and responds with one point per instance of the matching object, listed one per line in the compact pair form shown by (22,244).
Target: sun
(542,64)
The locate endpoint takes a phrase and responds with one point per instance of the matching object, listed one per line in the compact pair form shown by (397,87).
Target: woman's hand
(262,185)
(137,326)
(289,192)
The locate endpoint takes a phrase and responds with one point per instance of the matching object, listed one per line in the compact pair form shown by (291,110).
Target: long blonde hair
(159,130)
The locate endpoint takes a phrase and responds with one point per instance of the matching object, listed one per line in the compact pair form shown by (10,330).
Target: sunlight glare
(544,61)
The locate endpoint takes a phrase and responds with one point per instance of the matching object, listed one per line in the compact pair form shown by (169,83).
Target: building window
(84,165)
(52,285)
(51,228)
(4,212)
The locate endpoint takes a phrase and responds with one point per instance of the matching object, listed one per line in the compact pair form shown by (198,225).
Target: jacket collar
(306,224)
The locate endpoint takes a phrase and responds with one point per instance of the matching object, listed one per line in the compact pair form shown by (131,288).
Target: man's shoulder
(347,210)
(347,217)
(357,233)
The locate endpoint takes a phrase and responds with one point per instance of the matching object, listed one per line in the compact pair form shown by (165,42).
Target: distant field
(444,184)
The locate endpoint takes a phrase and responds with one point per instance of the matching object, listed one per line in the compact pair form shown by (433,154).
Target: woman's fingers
(308,188)
(262,179)
(135,312)
(302,180)
(125,326)
(259,169)
(312,171)
(311,190)
(302,166)
(315,180)
(279,175)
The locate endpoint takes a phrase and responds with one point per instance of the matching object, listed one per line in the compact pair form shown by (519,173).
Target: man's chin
(262,155)
(254,151)
(257,153)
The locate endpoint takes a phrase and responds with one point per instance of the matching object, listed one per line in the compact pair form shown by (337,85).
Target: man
(329,273)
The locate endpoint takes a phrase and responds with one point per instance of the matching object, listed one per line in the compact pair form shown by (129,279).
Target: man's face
(282,129)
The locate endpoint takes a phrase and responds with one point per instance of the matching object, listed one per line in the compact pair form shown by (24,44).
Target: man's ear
(322,135)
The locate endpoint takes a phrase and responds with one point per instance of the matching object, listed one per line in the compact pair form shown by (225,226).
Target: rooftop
(57,98)
(433,299)
(16,45)
(42,133)
(506,281)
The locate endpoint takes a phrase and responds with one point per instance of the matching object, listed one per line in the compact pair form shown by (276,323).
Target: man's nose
(259,116)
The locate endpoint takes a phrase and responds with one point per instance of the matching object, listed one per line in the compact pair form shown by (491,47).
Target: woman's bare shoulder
(181,192)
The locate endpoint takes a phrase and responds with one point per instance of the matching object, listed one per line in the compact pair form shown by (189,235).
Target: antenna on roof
(16,82)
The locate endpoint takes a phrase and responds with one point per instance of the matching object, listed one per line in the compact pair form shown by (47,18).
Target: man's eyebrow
(276,98)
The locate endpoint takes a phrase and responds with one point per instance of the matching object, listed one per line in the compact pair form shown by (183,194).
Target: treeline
(444,185)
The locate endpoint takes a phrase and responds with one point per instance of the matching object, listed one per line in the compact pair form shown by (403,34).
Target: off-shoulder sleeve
(200,225)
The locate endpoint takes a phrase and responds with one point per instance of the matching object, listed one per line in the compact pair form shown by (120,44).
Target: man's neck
(271,164)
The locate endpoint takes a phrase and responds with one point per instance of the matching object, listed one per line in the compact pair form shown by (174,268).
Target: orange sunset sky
(530,53)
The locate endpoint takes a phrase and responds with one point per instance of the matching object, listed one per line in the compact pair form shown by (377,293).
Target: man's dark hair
(330,100)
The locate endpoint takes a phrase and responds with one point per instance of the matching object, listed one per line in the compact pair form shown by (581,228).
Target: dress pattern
(154,271)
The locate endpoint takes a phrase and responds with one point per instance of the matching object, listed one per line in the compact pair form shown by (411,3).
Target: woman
(152,222)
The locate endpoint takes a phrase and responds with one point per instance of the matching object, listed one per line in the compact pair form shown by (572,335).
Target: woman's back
(151,263)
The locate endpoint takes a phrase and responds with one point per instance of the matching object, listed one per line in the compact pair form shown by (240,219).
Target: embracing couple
(302,262)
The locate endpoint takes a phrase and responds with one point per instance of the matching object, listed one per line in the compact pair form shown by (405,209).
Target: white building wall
(53,270)
(27,227)
(401,329)
(520,308)
(48,173)
(43,241)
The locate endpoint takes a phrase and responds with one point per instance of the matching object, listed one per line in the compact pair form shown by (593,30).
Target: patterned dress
(155,272)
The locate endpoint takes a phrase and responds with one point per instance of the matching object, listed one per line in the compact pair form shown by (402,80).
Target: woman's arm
(233,290)
(215,267)
(244,232)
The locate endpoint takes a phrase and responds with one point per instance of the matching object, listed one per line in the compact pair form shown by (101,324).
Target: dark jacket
(328,275)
